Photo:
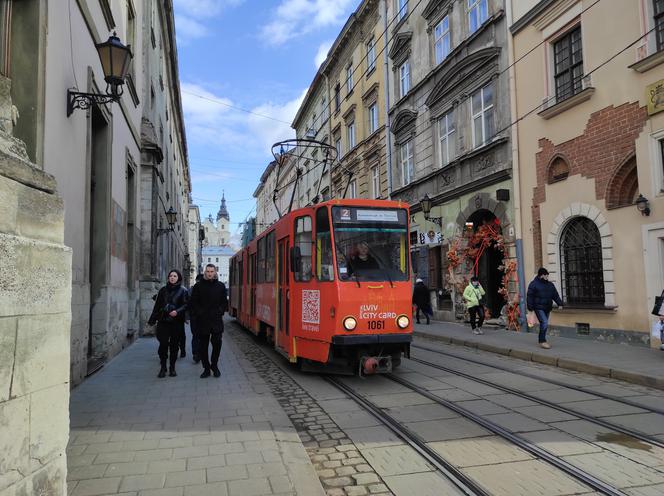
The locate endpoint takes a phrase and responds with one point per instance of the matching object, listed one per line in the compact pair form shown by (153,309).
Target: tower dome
(223,211)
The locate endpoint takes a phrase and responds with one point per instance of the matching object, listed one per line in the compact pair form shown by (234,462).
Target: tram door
(283,297)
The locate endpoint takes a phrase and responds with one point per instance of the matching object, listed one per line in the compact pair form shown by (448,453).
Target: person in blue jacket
(541,295)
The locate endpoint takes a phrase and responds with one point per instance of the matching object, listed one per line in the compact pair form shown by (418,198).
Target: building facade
(196,235)
(275,192)
(164,172)
(588,154)
(124,164)
(355,76)
(450,137)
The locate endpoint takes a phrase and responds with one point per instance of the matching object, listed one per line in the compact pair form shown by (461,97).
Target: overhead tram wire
(215,100)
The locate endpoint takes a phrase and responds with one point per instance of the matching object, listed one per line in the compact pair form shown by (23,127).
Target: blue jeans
(543,317)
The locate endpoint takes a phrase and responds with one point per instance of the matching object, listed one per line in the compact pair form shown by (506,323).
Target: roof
(218,251)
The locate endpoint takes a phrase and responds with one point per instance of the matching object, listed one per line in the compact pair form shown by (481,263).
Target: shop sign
(655,97)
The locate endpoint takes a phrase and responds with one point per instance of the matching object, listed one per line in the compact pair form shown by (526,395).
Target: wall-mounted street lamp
(425,205)
(643,205)
(115,58)
(171,217)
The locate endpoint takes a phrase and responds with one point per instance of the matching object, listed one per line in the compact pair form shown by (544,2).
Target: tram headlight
(403,321)
(350,323)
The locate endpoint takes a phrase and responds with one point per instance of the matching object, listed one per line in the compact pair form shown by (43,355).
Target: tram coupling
(370,365)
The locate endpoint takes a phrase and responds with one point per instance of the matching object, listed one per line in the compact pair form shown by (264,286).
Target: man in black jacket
(541,295)
(207,306)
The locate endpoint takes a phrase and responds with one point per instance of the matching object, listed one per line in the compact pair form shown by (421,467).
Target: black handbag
(657,308)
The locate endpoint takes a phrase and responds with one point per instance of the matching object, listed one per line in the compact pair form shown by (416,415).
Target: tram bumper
(359,339)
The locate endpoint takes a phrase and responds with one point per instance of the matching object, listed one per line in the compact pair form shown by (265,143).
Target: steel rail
(531,448)
(458,478)
(549,381)
(608,425)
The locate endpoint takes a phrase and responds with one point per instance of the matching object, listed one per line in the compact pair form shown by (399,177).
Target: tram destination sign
(373,215)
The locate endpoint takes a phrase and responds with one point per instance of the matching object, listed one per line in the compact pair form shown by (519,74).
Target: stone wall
(35,315)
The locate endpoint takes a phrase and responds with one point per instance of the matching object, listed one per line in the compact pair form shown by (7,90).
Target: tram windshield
(371,243)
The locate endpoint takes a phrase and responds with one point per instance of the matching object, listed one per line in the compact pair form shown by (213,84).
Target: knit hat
(418,280)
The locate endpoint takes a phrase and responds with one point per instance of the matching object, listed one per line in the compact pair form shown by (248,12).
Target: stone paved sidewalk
(636,364)
(134,434)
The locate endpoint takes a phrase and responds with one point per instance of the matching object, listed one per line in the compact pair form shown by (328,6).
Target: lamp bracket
(79,100)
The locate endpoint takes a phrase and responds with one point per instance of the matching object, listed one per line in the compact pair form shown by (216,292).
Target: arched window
(558,170)
(581,263)
(624,187)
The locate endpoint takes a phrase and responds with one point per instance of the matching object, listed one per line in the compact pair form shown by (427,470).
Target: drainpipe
(388,127)
(516,177)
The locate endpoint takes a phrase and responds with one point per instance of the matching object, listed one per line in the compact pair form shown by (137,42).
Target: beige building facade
(590,158)
(355,75)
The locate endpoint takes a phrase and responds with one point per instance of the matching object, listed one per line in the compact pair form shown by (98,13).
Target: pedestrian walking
(421,300)
(209,301)
(541,295)
(474,297)
(195,345)
(169,315)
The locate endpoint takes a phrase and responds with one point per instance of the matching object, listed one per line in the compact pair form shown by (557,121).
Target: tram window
(324,259)
(303,242)
(260,273)
(269,256)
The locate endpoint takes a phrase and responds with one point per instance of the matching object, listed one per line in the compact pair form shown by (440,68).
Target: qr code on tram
(311,306)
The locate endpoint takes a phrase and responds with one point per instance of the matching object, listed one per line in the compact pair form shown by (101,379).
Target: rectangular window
(323,110)
(302,244)
(375,181)
(406,161)
(351,136)
(260,273)
(352,189)
(337,97)
(482,111)
(324,257)
(371,55)
(349,79)
(270,257)
(404,79)
(441,35)
(658,7)
(337,145)
(478,13)
(446,130)
(568,64)
(373,118)
(403,8)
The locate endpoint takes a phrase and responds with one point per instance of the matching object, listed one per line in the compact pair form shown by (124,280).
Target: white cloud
(293,18)
(217,125)
(321,54)
(191,16)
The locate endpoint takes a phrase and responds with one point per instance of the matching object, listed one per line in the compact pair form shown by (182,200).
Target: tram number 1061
(376,325)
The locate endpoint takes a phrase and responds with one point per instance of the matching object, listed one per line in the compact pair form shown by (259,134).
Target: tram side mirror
(295,258)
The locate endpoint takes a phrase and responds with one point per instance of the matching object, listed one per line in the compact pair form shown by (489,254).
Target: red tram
(329,286)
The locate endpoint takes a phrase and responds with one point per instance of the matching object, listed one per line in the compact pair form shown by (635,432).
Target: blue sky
(256,55)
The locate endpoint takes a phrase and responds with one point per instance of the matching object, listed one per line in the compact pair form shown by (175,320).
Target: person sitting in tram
(362,260)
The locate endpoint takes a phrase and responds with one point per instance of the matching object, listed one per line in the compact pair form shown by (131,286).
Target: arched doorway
(489,263)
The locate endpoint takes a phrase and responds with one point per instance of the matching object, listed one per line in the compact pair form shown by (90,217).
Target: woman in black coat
(169,314)
(421,300)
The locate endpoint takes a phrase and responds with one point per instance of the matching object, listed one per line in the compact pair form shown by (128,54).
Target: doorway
(284,296)
(488,266)
(99,236)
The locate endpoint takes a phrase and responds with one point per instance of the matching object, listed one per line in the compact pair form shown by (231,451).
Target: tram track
(563,409)
(453,474)
(563,384)
(461,480)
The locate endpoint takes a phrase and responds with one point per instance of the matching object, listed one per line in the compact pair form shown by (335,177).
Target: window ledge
(585,309)
(371,71)
(572,101)
(649,62)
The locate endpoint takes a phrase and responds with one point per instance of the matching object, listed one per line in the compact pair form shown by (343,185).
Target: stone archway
(482,201)
(553,246)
